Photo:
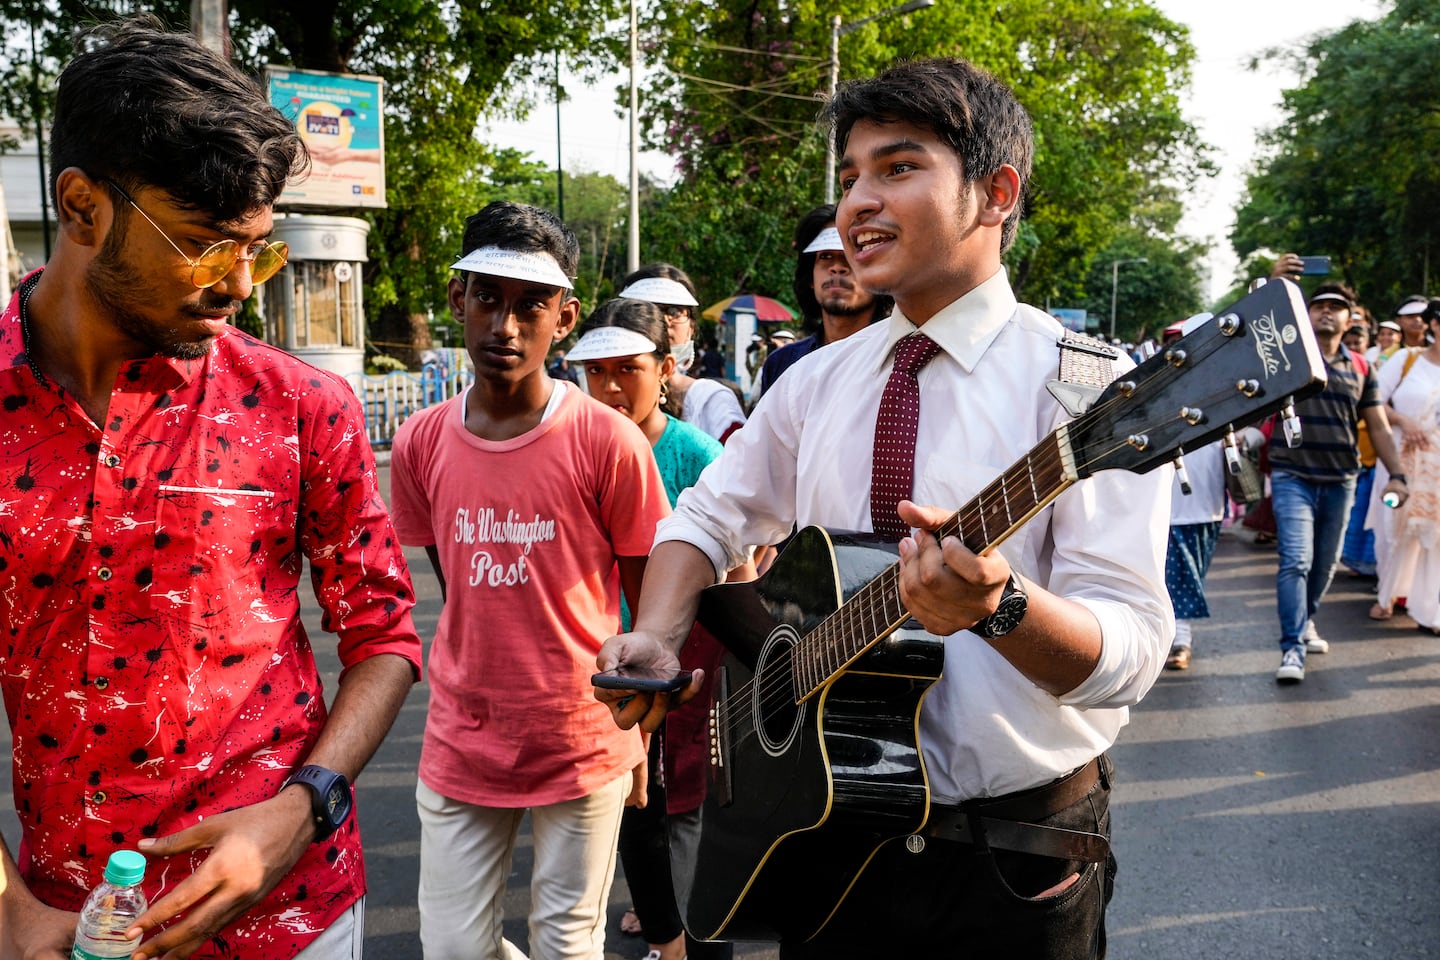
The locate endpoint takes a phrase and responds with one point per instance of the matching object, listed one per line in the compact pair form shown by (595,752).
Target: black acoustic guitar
(815,755)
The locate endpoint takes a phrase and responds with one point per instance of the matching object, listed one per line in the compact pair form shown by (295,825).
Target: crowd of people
(170,478)
(1359,489)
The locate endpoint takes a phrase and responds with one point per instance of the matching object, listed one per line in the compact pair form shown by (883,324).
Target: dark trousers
(954,901)
(645,854)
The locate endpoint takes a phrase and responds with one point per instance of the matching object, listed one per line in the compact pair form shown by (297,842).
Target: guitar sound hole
(776,714)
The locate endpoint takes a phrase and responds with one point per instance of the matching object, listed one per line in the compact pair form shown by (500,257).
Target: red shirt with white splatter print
(155,668)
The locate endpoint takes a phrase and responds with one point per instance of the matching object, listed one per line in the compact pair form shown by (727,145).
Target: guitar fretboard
(875,610)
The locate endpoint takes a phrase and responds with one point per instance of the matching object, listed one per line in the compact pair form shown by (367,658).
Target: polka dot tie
(893,473)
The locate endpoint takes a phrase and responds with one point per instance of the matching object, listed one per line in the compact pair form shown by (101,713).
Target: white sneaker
(1292,667)
(1314,643)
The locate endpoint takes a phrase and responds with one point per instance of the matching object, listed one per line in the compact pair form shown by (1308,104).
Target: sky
(1229,104)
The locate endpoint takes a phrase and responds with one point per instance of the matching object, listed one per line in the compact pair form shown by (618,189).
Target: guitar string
(781,686)
(780,689)
(814,645)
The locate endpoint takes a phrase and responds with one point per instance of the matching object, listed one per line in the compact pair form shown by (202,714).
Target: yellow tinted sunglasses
(218,259)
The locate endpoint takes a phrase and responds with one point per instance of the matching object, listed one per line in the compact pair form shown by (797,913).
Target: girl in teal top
(624,351)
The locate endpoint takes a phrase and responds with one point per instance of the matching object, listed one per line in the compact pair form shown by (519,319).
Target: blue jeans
(1359,551)
(1309,529)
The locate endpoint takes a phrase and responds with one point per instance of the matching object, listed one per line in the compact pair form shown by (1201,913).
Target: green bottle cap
(126,868)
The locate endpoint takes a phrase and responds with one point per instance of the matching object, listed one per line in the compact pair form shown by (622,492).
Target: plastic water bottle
(111,909)
(1391,500)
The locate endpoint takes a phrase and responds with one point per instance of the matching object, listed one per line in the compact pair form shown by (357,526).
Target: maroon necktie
(893,473)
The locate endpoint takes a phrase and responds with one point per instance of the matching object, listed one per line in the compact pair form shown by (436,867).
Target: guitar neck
(875,610)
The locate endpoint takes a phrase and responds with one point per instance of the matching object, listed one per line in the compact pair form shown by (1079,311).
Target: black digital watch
(331,799)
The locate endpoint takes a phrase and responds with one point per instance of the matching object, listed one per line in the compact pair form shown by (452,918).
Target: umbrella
(764,308)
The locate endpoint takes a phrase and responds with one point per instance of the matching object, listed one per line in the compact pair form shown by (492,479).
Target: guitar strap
(1087,365)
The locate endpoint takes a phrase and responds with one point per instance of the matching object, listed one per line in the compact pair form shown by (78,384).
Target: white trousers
(342,940)
(465,856)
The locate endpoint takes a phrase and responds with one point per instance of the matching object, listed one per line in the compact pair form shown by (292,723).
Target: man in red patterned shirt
(162,479)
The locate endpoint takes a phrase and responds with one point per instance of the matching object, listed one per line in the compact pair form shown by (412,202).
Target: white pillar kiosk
(313,307)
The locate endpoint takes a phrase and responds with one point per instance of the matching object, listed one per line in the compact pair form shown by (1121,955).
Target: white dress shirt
(805,456)
(1206,501)
(711,406)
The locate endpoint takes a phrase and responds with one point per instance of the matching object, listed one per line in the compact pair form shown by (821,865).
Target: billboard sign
(339,117)
(1070,318)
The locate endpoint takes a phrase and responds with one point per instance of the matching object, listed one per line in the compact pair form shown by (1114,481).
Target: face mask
(684,354)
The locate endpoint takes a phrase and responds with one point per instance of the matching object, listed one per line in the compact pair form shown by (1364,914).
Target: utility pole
(38,106)
(1115,266)
(559,172)
(208,21)
(633,254)
(836,32)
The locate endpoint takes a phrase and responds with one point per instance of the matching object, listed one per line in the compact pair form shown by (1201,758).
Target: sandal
(630,924)
(1377,612)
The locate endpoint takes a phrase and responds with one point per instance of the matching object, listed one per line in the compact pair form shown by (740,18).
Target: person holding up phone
(1292,266)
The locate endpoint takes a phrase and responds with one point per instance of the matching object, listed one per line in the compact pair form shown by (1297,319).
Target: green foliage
(734,99)
(1147,296)
(378,364)
(1353,171)
(736,102)
(445,67)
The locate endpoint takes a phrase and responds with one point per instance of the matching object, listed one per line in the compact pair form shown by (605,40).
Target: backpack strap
(1411,355)
(1087,366)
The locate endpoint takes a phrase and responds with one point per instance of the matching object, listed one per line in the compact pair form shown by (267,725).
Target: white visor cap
(515,265)
(660,290)
(827,239)
(605,343)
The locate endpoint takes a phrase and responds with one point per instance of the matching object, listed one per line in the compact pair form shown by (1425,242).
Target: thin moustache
(221,308)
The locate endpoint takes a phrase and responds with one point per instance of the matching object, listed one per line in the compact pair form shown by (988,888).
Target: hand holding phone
(627,677)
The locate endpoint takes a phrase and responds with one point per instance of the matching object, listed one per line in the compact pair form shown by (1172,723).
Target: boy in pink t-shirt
(535,504)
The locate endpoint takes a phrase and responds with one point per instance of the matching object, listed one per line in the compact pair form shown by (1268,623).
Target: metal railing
(390,399)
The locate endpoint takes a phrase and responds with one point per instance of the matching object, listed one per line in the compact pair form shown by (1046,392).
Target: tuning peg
(1231,446)
(1291,422)
(1182,475)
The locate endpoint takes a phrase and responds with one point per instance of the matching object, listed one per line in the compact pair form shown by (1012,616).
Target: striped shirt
(1329,450)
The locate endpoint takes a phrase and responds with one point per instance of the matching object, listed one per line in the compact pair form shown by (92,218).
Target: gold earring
(664,391)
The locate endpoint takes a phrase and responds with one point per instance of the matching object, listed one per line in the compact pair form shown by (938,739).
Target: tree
(1150,295)
(444,66)
(736,102)
(1353,171)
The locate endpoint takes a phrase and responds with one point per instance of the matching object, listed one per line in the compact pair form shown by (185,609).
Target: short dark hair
(639,316)
(145,107)
(519,226)
(666,271)
(1335,286)
(966,107)
(1432,311)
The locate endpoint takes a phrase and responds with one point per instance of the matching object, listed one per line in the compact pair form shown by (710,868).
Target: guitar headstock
(1235,369)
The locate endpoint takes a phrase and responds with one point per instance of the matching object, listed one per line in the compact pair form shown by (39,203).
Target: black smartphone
(638,678)
(1314,266)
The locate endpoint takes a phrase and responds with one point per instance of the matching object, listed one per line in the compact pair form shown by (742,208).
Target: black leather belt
(1006,823)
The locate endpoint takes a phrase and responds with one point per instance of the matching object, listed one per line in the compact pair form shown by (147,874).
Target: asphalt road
(1251,820)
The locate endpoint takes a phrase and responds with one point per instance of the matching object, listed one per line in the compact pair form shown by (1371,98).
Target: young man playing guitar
(1046,640)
